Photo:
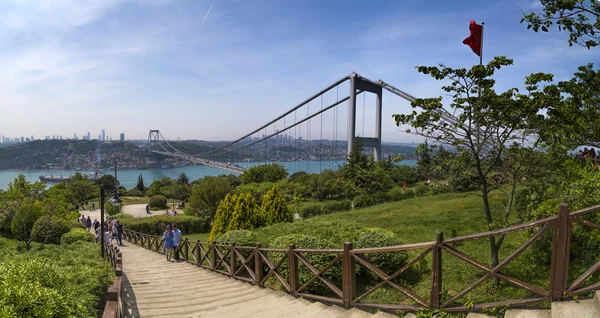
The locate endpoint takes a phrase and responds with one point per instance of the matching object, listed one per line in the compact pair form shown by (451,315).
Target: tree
(246,215)
(483,125)
(275,209)
(108,181)
(140,184)
(206,196)
(581,18)
(183,179)
(223,216)
(23,220)
(159,186)
(425,164)
(264,173)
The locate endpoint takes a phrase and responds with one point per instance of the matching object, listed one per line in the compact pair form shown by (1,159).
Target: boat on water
(55,179)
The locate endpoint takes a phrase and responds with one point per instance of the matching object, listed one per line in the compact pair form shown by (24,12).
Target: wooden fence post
(232,261)
(258,270)
(436,272)
(213,259)
(561,245)
(197,247)
(348,275)
(293,269)
(186,249)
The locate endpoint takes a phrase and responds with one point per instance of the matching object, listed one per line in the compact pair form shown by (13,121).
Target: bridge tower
(153,137)
(358,84)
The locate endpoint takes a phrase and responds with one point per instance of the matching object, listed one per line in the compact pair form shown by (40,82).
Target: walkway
(157,288)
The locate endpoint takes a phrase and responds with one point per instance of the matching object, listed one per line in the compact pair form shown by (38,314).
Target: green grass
(418,220)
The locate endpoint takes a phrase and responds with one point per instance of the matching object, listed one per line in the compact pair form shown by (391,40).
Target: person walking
(119,227)
(93,206)
(176,240)
(168,242)
(147,209)
(88,224)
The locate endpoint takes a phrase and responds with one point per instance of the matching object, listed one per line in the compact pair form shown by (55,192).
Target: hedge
(158,201)
(77,234)
(156,224)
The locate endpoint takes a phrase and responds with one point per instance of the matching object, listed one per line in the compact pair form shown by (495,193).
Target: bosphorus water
(128,178)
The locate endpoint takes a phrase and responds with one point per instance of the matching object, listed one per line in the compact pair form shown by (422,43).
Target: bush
(76,224)
(310,211)
(388,262)
(112,210)
(275,209)
(238,237)
(246,215)
(77,235)
(34,288)
(120,216)
(49,229)
(336,206)
(421,190)
(156,224)
(362,201)
(222,216)
(264,173)
(135,193)
(158,201)
(334,274)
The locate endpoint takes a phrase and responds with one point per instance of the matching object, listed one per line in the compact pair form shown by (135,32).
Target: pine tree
(140,184)
(246,214)
(275,209)
(223,216)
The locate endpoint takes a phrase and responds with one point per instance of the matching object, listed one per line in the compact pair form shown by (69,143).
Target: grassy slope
(418,220)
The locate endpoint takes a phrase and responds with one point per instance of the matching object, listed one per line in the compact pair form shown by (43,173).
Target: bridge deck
(157,288)
(212,163)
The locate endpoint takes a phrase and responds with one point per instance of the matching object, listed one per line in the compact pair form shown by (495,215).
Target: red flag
(474,40)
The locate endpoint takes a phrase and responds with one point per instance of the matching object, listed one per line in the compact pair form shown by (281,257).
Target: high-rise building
(75,136)
(122,137)
(2,138)
(32,139)
(88,136)
(103,135)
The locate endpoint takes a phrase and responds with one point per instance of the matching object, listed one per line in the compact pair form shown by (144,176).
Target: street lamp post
(115,201)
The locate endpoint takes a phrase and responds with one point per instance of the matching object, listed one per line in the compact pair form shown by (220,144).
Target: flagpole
(481,46)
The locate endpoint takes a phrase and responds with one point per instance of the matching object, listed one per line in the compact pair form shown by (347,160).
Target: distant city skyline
(6,139)
(132,66)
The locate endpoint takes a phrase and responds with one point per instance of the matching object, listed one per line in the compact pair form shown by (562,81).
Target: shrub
(275,209)
(388,262)
(76,224)
(34,288)
(336,206)
(362,201)
(310,211)
(49,229)
(77,235)
(246,215)
(158,201)
(112,210)
(238,237)
(120,216)
(135,193)
(334,274)
(421,190)
(264,173)
(223,216)
(156,224)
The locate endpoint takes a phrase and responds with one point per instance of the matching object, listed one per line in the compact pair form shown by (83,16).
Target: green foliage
(237,237)
(246,215)
(207,193)
(362,201)
(183,179)
(223,216)
(57,281)
(76,224)
(23,220)
(257,190)
(157,223)
(177,191)
(135,193)
(108,181)
(388,262)
(159,186)
(140,184)
(367,176)
(49,229)
(75,235)
(311,210)
(575,17)
(275,209)
(112,210)
(334,274)
(337,206)
(158,201)
(264,173)
(400,174)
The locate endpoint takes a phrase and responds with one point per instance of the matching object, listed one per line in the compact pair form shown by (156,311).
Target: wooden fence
(114,302)
(256,265)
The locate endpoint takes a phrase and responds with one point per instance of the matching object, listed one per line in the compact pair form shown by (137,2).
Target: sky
(216,70)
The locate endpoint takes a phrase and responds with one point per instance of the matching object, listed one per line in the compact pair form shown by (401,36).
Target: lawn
(418,220)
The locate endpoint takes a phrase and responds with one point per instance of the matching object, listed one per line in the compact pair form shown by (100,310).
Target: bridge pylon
(361,84)
(153,138)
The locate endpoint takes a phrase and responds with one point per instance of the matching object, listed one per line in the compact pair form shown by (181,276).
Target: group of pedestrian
(171,239)
(113,230)
(589,156)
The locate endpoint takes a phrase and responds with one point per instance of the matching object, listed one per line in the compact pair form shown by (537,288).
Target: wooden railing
(257,265)
(114,302)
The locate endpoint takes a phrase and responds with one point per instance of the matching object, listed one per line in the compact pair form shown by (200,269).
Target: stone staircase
(587,308)
(156,288)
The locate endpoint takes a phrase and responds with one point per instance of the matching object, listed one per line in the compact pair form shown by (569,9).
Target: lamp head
(115,201)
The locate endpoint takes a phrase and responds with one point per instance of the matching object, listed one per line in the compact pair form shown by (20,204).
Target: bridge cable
(321,141)
(335,118)
(308,138)
(296,142)
(364,99)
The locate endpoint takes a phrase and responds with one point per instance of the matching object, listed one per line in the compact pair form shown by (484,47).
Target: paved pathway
(157,288)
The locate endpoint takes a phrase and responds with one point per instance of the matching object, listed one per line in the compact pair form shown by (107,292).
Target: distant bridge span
(212,163)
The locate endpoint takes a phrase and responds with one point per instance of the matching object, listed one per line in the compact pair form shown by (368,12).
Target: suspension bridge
(309,136)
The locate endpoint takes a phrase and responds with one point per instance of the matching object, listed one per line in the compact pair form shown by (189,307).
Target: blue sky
(129,66)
